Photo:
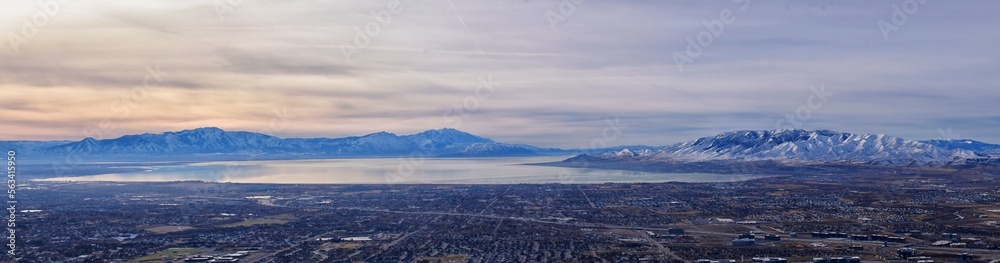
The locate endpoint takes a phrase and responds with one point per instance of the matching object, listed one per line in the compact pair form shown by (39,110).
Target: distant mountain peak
(449,135)
(381,134)
(203,130)
(450,131)
(807,146)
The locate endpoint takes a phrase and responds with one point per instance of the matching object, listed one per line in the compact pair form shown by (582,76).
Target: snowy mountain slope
(217,141)
(445,140)
(971,145)
(202,140)
(28,147)
(496,149)
(822,146)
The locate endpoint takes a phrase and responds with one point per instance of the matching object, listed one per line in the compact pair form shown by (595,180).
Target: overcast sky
(556,73)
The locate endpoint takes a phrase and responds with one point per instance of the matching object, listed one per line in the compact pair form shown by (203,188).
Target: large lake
(397,171)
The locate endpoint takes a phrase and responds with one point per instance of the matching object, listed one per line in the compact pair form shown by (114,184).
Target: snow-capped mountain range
(215,141)
(786,146)
(807,147)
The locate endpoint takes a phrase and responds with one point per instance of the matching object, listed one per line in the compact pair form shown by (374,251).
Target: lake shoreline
(451,171)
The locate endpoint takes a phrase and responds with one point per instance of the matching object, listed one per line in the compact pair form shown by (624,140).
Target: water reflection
(397,171)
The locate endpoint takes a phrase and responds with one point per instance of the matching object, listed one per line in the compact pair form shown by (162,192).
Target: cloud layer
(549,73)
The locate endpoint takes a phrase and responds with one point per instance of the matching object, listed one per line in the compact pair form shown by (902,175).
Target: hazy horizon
(484,136)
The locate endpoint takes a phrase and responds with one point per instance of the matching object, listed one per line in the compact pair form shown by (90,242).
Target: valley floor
(941,214)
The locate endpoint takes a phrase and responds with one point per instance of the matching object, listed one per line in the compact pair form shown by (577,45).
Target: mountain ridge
(213,140)
(794,146)
(802,147)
